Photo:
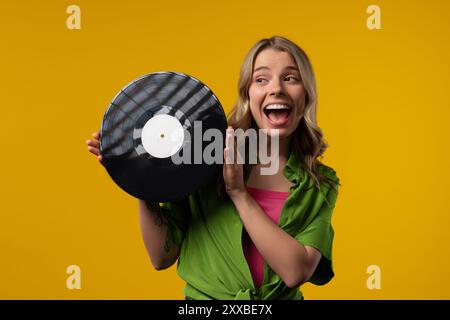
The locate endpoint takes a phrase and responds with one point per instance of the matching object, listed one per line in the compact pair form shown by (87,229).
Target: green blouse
(209,231)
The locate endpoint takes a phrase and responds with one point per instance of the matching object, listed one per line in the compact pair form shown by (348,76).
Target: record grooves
(147,122)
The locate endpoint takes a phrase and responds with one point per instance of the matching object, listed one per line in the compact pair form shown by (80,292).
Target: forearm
(162,250)
(283,253)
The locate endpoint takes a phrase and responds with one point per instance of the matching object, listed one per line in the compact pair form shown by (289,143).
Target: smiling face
(276,92)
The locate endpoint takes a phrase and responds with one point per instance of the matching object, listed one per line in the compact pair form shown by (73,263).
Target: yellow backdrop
(383,106)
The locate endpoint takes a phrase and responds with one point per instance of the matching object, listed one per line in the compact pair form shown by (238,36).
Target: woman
(249,235)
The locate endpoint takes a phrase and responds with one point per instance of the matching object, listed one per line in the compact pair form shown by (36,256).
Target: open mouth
(278,114)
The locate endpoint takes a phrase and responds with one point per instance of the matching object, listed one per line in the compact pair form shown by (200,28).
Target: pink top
(271,202)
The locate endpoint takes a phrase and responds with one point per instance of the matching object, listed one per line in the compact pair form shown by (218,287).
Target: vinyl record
(153,119)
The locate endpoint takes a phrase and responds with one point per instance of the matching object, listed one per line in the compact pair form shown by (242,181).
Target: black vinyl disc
(153,119)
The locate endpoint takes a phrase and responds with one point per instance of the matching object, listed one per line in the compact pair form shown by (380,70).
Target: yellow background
(383,106)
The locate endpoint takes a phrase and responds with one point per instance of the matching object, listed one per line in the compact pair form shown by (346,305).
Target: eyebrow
(267,68)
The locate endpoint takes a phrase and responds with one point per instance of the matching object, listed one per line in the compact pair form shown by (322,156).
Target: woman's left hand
(233,172)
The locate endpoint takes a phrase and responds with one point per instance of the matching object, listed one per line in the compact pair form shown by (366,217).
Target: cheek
(255,105)
(256,113)
(300,94)
(301,97)
(255,96)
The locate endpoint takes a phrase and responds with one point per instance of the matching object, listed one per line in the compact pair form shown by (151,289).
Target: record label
(162,136)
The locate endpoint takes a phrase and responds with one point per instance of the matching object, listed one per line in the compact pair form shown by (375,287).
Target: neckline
(267,192)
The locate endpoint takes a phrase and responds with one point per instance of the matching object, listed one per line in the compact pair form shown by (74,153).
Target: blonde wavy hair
(307,140)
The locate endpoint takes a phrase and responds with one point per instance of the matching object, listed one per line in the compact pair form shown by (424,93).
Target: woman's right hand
(94,146)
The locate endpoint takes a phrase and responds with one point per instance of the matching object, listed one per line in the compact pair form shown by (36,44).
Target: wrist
(238,195)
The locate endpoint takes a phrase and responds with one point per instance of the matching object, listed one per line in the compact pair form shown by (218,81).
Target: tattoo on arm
(160,221)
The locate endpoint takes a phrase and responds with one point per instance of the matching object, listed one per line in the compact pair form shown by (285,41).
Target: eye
(260,80)
(292,77)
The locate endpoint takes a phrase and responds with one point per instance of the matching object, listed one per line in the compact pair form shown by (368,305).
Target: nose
(276,88)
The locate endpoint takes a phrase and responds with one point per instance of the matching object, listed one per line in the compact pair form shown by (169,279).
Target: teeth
(277,107)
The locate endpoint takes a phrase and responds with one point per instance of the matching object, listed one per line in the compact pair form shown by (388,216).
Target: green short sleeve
(319,233)
(178,214)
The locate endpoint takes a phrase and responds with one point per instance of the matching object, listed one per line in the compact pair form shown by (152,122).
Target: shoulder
(329,178)
(328,172)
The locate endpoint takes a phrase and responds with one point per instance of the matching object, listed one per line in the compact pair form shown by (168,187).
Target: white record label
(162,136)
